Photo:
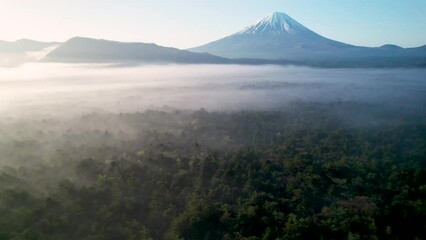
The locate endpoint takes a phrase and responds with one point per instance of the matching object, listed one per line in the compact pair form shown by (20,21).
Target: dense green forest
(339,170)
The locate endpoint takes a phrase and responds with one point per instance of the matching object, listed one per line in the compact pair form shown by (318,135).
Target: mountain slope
(278,36)
(80,49)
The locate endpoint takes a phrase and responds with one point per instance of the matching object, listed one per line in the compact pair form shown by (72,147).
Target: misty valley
(104,151)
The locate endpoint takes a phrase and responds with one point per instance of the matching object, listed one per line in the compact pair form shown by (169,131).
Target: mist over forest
(62,89)
(104,151)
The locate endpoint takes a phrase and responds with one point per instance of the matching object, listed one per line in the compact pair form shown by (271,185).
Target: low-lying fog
(44,89)
(57,111)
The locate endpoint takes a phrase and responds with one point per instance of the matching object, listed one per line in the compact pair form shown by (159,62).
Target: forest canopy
(312,171)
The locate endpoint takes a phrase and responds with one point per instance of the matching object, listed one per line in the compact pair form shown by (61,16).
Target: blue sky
(188,23)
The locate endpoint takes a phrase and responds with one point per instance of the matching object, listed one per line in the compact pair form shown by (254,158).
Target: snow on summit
(275,23)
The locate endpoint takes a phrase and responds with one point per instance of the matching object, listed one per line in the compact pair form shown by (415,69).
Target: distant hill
(278,36)
(24,45)
(80,49)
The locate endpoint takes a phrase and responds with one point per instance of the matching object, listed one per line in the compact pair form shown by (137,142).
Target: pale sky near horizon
(189,23)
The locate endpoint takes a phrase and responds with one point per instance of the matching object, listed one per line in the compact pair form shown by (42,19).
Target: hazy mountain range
(24,45)
(80,49)
(274,39)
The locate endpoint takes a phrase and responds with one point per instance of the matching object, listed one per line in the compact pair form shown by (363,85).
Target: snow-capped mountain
(278,36)
(275,23)
(275,36)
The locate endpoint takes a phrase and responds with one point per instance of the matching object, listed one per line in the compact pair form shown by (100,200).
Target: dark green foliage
(200,175)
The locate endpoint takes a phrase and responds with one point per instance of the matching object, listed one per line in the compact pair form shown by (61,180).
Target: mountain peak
(275,23)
